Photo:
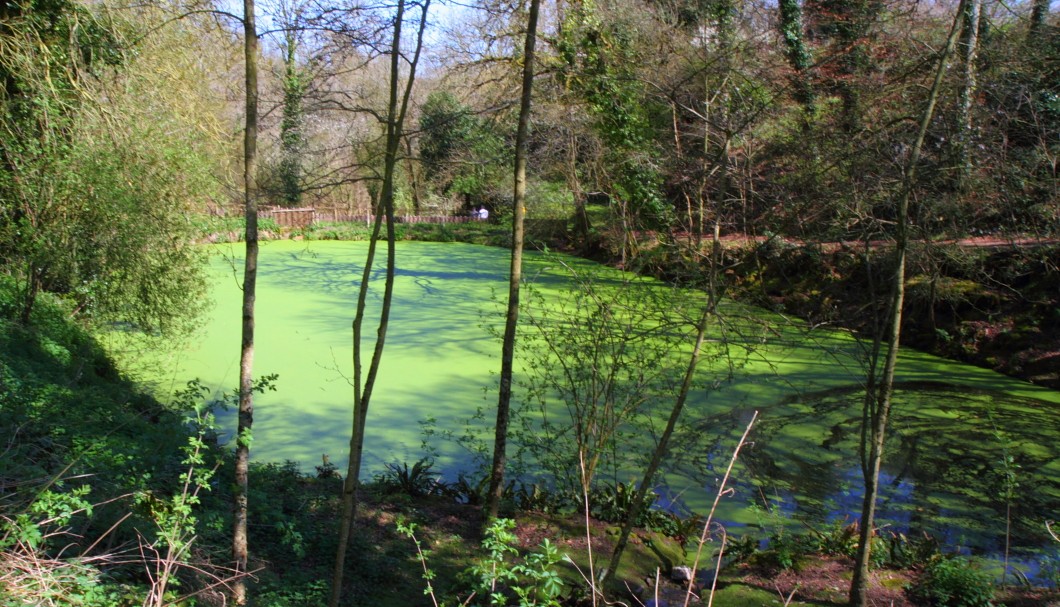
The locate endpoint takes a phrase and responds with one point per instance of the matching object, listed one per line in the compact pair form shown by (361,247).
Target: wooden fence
(290,218)
(303,218)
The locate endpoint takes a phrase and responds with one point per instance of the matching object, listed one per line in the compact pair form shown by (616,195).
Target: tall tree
(362,393)
(458,149)
(515,274)
(250,280)
(880,387)
(598,55)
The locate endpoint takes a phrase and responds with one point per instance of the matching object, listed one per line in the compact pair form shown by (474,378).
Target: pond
(957,430)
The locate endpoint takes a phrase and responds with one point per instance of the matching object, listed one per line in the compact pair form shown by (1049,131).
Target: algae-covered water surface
(966,442)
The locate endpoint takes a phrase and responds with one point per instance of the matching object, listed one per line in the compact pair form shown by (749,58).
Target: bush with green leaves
(310,593)
(534,581)
(952,582)
(908,552)
(785,551)
(599,360)
(613,503)
(494,579)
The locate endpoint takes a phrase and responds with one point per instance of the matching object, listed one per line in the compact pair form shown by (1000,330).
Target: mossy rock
(669,552)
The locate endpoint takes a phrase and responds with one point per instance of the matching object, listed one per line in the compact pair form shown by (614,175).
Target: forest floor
(451,531)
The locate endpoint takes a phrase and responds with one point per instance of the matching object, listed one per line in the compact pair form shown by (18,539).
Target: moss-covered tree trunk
(969,50)
(1039,15)
(797,52)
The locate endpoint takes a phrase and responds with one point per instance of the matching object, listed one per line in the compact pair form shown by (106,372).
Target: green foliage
(597,62)
(791,30)
(418,481)
(743,548)
(49,509)
(69,413)
(174,515)
(785,551)
(500,576)
(613,503)
(1049,571)
(839,539)
(952,582)
(534,581)
(536,498)
(905,552)
(95,208)
(47,522)
(292,136)
(409,531)
(310,593)
(460,151)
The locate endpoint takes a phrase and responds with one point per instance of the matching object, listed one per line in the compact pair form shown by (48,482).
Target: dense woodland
(842,160)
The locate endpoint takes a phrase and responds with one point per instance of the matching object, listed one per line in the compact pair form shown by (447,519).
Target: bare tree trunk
(663,445)
(29,300)
(414,177)
(362,396)
(878,394)
(500,440)
(250,279)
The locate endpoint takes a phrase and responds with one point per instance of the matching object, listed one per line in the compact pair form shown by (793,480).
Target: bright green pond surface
(953,423)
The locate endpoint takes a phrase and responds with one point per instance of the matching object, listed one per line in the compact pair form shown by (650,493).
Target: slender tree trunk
(414,177)
(663,445)
(581,215)
(504,399)
(29,300)
(878,394)
(250,279)
(362,395)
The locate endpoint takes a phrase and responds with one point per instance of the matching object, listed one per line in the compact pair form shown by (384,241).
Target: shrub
(418,481)
(785,551)
(613,503)
(911,552)
(534,581)
(952,582)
